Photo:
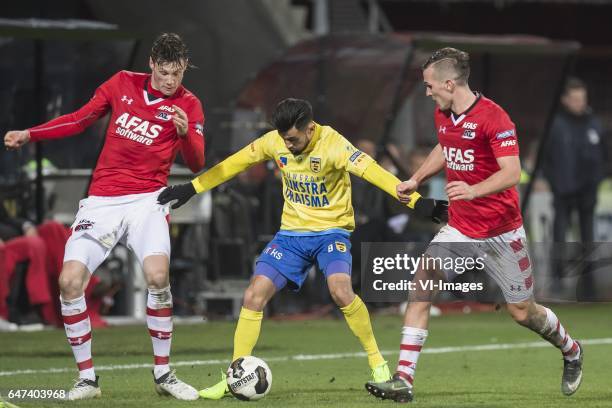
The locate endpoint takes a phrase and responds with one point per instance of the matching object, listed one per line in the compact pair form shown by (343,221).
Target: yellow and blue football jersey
(316,182)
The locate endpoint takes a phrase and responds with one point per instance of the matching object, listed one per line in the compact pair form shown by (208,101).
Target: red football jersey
(141,139)
(471,142)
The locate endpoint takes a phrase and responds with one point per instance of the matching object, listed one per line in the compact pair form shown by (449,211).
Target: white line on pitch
(311,357)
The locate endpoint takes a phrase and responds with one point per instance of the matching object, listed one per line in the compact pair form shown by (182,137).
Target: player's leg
(282,262)
(416,317)
(357,317)
(94,233)
(266,281)
(82,257)
(148,236)
(508,263)
(543,321)
(334,258)
(414,334)
(264,284)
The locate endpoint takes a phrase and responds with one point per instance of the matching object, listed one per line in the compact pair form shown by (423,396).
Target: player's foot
(168,384)
(217,391)
(396,389)
(572,373)
(84,389)
(381,373)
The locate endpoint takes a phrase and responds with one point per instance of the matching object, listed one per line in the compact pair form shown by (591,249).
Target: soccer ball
(249,378)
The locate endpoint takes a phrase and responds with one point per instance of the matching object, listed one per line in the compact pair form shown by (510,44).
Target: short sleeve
(502,135)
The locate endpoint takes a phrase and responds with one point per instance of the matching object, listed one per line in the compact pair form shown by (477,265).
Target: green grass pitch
(513,377)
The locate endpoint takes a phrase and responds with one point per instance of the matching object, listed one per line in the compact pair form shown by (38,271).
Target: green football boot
(217,391)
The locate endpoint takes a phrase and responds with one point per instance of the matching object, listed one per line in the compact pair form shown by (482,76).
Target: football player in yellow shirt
(315,162)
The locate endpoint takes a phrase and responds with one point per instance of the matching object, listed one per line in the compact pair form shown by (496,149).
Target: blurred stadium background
(358,63)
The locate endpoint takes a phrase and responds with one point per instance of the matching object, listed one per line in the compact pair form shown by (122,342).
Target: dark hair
(292,112)
(573,83)
(457,60)
(170,48)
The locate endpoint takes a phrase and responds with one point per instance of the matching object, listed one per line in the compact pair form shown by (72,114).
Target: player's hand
(180,120)
(180,192)
(14,139)
(460,190)
(404,189)
(435,210)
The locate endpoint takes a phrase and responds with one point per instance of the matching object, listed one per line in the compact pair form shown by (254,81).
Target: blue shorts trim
(267,270)
(337,266)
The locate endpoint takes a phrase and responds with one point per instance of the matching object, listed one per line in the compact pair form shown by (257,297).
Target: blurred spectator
(574,164)
(41,249)
(19,242)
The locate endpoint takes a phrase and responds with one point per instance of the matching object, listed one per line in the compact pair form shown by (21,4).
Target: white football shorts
(135,220)
(505,258)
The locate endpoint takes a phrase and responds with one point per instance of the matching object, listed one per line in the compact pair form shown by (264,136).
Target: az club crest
(469,134)
(315,164)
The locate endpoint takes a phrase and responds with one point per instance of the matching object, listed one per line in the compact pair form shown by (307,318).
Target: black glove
(435,210)
(180,192)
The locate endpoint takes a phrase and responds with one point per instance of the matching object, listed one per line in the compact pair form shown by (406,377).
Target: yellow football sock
(358,319)
(247,332)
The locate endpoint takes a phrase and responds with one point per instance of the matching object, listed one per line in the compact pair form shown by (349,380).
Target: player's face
(297,140)
(167,77)
(441,91)
(575,101)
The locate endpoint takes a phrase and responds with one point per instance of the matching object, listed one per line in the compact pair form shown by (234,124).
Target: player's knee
(520,313)
(71,284)
(157,271)
(254,299)
(157,278)
(343,295)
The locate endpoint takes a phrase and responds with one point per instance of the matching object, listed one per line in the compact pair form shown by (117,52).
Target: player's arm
(437,210)
(508,175)
(65,125)
(222,172)
(360,164)
(431,166)
(190,131)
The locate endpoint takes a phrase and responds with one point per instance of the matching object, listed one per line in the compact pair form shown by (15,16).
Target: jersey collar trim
(149,93)
(457,119)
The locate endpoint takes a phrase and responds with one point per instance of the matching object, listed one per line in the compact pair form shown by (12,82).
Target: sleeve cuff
(414,197)
(197,185)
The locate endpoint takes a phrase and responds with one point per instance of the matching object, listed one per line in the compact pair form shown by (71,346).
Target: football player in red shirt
(152,117)
(478,148)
